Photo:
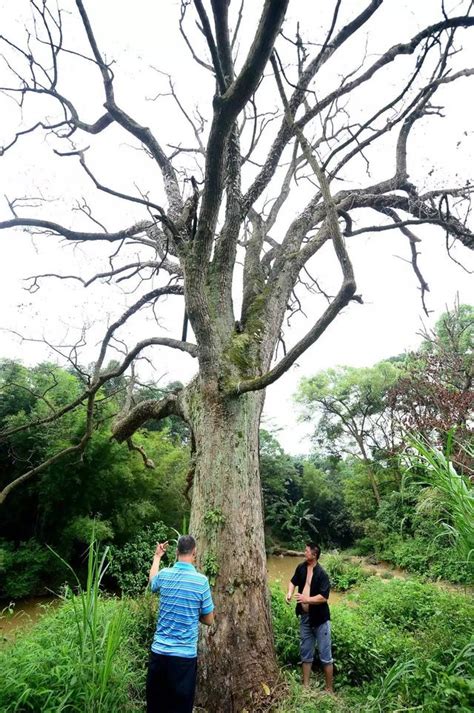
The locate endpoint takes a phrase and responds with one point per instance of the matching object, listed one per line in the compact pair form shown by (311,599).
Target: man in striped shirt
(185,600)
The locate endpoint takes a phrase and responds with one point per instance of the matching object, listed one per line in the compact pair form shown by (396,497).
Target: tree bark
(237,654)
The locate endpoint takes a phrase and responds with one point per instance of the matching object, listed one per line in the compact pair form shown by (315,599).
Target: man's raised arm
(161,548)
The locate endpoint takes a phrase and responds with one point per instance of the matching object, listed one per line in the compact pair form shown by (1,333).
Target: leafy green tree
(303,498)
(349,408)
(322,485)
(435,395)
(107,489)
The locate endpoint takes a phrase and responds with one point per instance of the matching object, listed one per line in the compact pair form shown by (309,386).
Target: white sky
(139,36)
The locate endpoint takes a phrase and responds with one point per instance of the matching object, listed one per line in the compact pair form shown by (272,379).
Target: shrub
(433,560)
(26,569)
(363,649)
(401,643)
(130,564)
(343,574)
(415,606)
(404,604)
(365,546)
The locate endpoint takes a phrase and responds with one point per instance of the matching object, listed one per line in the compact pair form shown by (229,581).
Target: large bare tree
(249,200)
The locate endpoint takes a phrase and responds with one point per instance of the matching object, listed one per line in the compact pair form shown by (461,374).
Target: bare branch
(74,235)
(142,133)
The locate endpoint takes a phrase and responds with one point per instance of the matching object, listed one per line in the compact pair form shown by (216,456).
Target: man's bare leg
(306,673)
(328,677)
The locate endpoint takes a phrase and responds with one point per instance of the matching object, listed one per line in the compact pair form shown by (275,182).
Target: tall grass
(75,660)
(390,685)
(98,640)
(455,491)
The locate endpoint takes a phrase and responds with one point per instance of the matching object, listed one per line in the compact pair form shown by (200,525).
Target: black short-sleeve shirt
(318,613)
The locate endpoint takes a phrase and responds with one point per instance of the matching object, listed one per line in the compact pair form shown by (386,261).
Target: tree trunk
(236,655)
(373,481)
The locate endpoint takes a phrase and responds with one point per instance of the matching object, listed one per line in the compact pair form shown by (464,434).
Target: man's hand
(161,548)
(291,591)
(302,599)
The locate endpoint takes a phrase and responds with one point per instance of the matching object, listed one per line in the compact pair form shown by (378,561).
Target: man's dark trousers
(171,684)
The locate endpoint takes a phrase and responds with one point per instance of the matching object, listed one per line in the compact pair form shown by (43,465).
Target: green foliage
(455,492)
(410,605)
(43,670)
(108,488)
(362,648)
(303,499)
(77,659)
(343,573)
(213,520)
(322,487)
(130,563)
(429,558)
(342,403)
(426,526)
(84,529)
(210,567)
(285,627)
(396,644)
(26,569)
(296,521)
(454,330)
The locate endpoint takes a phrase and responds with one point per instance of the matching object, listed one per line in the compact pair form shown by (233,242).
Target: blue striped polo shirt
(184,596)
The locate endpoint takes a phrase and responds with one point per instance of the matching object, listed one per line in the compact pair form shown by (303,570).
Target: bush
(401,643)
(343,574)
(365,546)
(130,564)
(405,604)
(396,621)
(423,557)
(27,569)
(363,649)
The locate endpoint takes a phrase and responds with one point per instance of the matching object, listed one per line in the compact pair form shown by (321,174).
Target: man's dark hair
(186,544)
(314,548)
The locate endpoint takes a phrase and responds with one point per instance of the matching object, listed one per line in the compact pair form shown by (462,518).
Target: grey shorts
(310,635)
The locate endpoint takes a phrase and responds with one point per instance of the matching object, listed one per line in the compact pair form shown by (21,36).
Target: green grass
(81,658)
(343,573)
(397,645)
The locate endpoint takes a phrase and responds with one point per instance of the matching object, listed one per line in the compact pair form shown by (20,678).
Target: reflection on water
(281,569)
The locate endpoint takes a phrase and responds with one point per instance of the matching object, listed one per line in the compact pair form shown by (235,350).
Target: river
(26,612)
(23,614)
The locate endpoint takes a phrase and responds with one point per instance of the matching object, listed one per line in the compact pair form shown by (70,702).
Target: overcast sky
(142,37)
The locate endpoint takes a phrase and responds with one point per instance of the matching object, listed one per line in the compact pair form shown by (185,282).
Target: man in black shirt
(312,608)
